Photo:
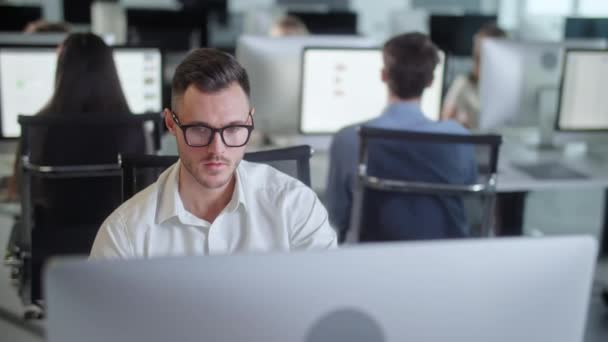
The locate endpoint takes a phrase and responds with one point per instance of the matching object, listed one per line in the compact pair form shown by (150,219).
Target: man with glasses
(211,201)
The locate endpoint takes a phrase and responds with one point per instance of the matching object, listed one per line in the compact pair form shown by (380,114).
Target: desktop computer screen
(515,78)
(274,68)
(343,86)
(27,77)
(466,290)
(332,22)
(586,28)
(454,33)
(583,104)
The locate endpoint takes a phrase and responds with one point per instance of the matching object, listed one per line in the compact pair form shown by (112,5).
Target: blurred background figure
(288,26)
(43,26)
(86,83)
(461,102)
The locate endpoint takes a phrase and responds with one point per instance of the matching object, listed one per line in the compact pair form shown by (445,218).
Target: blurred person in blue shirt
(409,62)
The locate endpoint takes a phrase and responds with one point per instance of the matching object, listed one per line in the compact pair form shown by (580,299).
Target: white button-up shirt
(268,211)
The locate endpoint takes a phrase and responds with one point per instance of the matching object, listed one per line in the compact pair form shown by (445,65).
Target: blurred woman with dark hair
(86,84)
(86,80)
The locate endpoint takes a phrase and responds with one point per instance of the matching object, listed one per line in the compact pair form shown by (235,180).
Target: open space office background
(551,212)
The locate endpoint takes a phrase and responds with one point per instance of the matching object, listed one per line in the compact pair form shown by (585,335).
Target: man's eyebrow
(238,122)
(196,123)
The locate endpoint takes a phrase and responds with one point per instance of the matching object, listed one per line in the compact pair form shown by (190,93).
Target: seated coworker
(211,201)
(409,61)
(461,102)
(86,85)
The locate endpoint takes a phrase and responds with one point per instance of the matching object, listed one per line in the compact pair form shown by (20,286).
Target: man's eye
(201,130)
(232,129)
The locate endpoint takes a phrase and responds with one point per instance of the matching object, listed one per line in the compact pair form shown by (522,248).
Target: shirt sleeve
(310,224)
(111,241)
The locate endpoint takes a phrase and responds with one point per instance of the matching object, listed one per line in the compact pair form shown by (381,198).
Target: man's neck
(202,202)
(392,99)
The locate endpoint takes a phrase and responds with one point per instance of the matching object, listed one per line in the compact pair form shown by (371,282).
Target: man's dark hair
(410,60)
(209,70)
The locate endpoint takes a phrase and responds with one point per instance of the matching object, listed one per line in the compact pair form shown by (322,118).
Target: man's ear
(169,121)
(384,75)
(252,112)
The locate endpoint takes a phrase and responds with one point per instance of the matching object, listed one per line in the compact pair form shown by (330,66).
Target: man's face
(211,166)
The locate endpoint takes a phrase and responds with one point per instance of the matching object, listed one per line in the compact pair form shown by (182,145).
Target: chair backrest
(412,185)
(71,180)
(139,171)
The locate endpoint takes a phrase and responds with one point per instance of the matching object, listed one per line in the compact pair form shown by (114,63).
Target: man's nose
(217,144)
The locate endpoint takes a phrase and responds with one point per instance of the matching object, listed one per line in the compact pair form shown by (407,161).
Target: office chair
(71,181)
(398,183)
(140,171)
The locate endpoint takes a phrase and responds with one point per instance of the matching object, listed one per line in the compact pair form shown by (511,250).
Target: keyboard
(550,170)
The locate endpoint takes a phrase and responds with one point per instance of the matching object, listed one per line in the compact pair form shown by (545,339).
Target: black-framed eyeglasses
(201,135)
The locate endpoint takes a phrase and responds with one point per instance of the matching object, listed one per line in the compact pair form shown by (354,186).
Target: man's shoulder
(346,137)
(448,127)
(142,207)
(139,207)
(267,182)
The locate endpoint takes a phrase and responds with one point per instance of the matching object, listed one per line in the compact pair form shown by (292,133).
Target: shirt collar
(170,203)
(405,112)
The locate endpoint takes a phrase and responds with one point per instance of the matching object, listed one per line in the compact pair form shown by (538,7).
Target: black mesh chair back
(139,171)
(71,181)
(418,186)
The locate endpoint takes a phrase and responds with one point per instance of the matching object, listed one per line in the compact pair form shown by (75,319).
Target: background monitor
(332,22)
(453,34)
(520,80)
(479,290)
(15,18)
(274,69)
(586,28)
(27,77)
(343,86)
(583,104)
(77,11)
(167,29)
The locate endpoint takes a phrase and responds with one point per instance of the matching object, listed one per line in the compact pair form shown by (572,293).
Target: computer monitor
(77,11)
(519,80)
(332,22)
(586,28)
(343,86)
(167,29)
(454,33)
(499,290)
(15,18)
(583,104)
(27,77)
(274,69)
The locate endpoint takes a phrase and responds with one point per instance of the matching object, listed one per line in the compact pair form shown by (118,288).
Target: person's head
(489,30)
(288,26)
(86,80)
(210,91)
(409,62)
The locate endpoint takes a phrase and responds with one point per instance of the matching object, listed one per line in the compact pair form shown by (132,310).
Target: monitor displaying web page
(343,86)
(27,76)
(583,104)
